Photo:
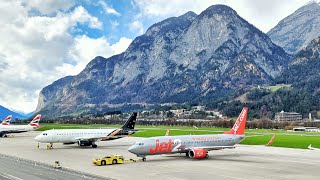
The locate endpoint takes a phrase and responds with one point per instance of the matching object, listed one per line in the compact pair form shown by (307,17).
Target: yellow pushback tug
(113,159)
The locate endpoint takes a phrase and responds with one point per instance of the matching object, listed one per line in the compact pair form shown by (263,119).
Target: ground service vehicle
(114,159)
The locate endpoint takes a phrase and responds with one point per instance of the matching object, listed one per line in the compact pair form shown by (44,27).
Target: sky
(43,41)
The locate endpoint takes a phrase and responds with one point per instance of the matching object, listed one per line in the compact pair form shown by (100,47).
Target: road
(18,169)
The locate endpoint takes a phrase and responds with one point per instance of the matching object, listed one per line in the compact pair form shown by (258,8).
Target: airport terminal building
(287,116)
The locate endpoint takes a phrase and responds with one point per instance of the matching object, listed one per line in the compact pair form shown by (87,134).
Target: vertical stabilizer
(7,120)
(35,122)
(240,124)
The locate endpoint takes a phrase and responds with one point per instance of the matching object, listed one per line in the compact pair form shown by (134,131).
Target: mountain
(4,112)
(297,30)
(304,70)
(190,58)
(303,96)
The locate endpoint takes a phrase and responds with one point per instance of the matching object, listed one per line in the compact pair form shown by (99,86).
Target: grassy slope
(278,86)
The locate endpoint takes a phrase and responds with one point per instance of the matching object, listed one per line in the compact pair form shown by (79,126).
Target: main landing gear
(50,146)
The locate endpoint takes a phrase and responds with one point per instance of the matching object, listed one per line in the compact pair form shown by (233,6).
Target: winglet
(7,120)
(240,124)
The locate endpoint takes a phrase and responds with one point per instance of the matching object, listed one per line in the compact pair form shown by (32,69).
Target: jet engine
(197,153)
(84,143)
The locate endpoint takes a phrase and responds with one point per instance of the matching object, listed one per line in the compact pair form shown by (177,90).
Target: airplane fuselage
(16,128)
(182,144)
(73,135)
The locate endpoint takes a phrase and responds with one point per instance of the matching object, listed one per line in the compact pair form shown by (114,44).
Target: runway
(243,162)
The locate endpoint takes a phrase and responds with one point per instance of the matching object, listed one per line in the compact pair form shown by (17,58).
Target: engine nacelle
(197,153)
(84,143)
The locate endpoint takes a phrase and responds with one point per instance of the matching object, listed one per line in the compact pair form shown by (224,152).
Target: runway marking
(10,176)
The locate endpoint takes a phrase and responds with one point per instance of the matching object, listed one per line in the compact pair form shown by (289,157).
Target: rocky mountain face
(181,59)
(304,69)
(297,30)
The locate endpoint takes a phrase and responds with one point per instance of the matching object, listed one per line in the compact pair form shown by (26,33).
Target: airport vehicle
(8,129)
(114,159)
(312,148)
(195,146)
(6,121)
(87,137)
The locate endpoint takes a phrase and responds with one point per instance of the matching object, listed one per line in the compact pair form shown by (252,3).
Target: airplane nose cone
(132,149)
(37,138)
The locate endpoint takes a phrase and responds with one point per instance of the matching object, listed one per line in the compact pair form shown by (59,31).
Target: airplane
(87,137)
(9,129)
(7,121)
(195,146)
(312,148)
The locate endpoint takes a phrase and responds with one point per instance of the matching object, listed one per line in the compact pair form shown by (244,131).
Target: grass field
(278,86)
(253,137)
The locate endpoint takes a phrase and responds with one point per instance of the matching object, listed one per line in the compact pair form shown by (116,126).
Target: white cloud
(136,26)
(108,9)
(121,46)
(263,14)
(50,6)
(37,50)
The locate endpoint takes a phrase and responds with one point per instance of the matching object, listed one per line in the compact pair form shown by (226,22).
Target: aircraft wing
(210,148)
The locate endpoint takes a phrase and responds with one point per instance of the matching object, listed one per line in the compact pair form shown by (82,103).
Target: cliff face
(181,59)
(297,30)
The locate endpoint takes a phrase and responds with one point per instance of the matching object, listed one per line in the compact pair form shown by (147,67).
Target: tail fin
(129,124)
(271,140)
(168,132)
(7,120)
(35,122)
(240,124)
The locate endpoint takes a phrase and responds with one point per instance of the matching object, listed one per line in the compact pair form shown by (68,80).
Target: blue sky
(43,41)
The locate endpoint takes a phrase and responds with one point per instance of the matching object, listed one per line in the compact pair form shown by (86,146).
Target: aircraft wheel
(207,155)
(144,159)
(94,146)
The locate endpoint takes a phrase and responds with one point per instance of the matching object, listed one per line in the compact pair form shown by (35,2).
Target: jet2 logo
(162,147)
(238,123)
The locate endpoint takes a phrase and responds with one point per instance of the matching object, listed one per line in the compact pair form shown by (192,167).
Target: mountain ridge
(189,58)
(297,30)
(4,112)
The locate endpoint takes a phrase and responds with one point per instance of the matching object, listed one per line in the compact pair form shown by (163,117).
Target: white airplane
(8,129)
(194,146)
(312,148)
(87,137)
(6,121)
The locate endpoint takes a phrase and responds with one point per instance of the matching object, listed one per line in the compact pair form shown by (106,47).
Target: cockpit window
(44,134)
(139,144)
